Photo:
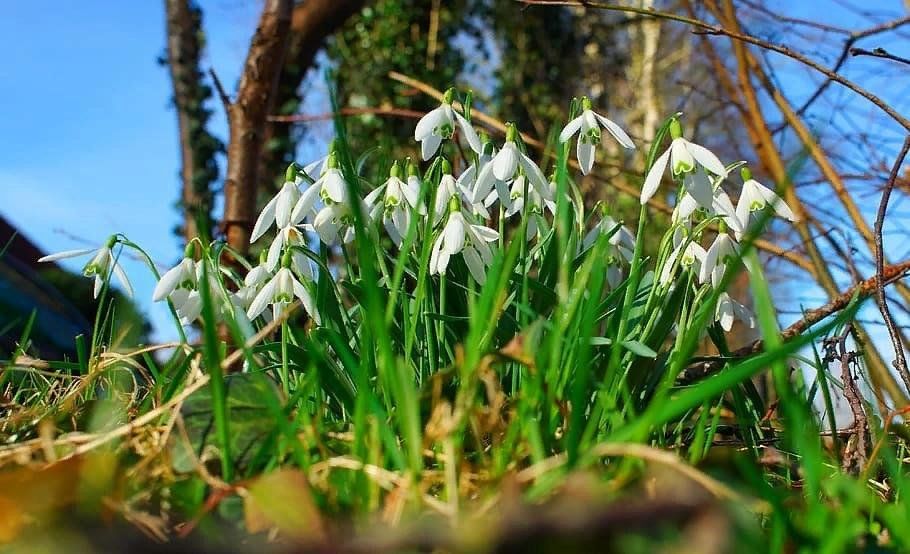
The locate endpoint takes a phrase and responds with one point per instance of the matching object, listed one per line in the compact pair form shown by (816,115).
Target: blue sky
(90,142)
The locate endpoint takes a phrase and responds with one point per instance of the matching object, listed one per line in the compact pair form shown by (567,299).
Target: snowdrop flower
(683,157)
(179,282)
(398,199)
(287,239)
(717,204)
(279,209)
(621,241)
(690,255)
(457,189)
(755,196)
(722,250)
(728,310)
(470,240)
(102,264)
(588,126)
(517,201)
(279,292)
(439,124)
(252,284)
(331,188)
(334,221)
(505,165)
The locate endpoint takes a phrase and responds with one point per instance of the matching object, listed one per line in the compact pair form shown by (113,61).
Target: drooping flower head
(506,165)
(99,267)
(439,124)
(588,126)
(683,157)
(755,196)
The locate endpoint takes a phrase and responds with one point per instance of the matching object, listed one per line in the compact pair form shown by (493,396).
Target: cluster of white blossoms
(317,203)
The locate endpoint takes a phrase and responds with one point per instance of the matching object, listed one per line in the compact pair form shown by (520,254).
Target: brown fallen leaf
(283,500)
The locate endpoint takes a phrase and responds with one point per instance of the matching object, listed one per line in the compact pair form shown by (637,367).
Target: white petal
(469,133)
(652,181)
(585,153)
(434,256)
(506,162)
(571,128)
(535,176)
(485,233)
(335,186)
(274,254)
(121,276)
(454,234)
(485,181)
(305,203)
(429,146)
(99,282)
(428,124)
(707,159)
(66,254)
(168,282)
(699,186)
(285,202)
(475,264)
(617,132)
(262,299)
(265,219)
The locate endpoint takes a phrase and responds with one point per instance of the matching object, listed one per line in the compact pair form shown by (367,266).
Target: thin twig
(863,290)
(718,30)
(222,94)
(879,53)
(900,360)
(303,118)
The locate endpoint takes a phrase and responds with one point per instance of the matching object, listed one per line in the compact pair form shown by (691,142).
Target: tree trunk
(247,119)
(197,147)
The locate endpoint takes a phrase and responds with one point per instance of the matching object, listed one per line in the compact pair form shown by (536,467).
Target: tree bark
(312,22)
(247,120)
(197,147)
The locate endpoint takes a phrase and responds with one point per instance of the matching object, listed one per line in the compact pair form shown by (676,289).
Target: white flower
(439,124)
(589,124)
(459,189)
(718,203)
(176,283)
(252,284)
(504,167)
(715,261)
(278,210)
(755,196)
(279,292)
(729,309)
(621,241)
(102,264)
(682,156)
(335,220)
(470,240)
(398,199)
(286,238)
(690,255)
(536,204)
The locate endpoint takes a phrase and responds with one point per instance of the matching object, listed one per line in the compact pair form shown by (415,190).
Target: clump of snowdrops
(467,303)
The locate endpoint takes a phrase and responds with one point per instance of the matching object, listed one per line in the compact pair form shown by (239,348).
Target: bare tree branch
(900,360)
